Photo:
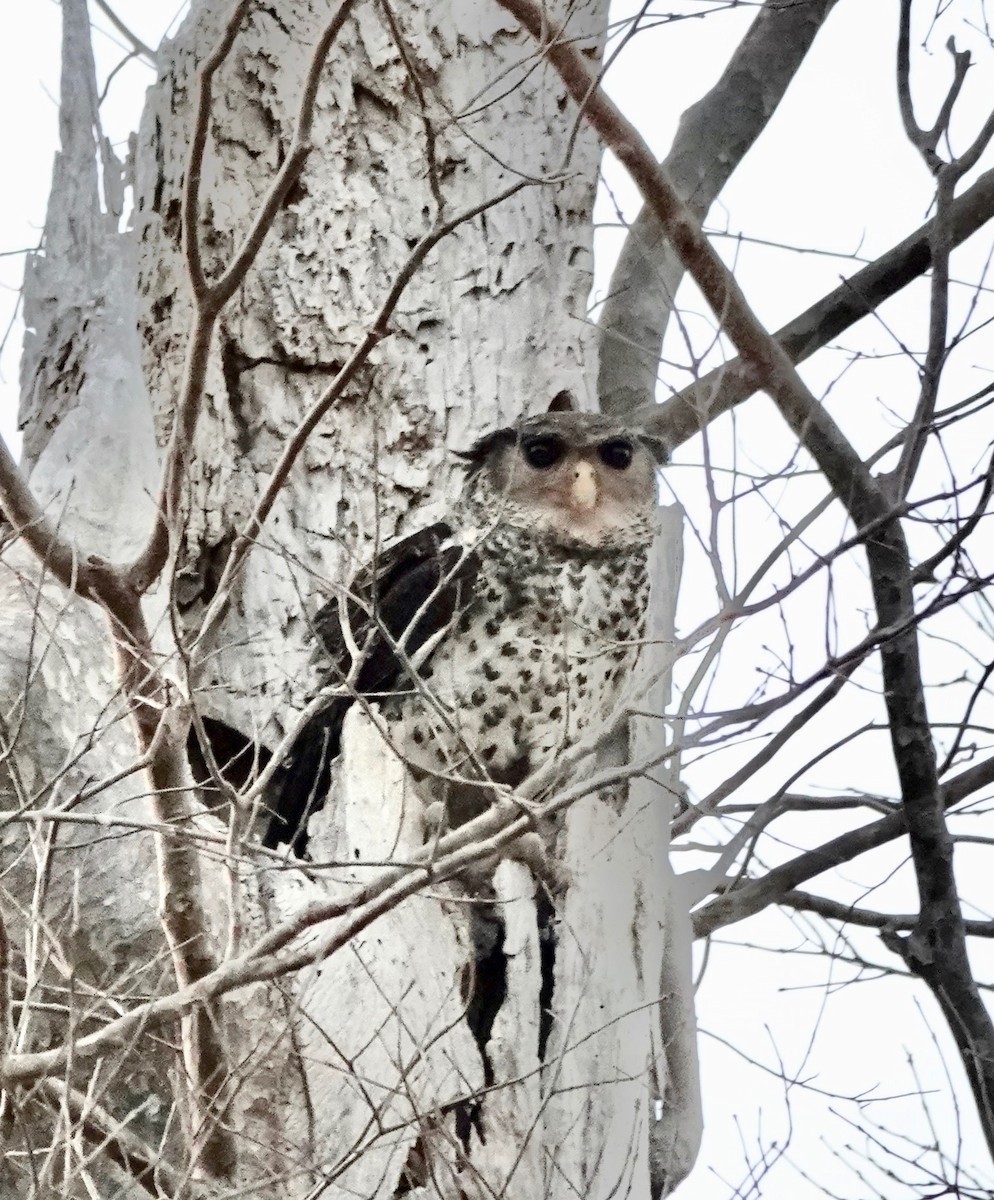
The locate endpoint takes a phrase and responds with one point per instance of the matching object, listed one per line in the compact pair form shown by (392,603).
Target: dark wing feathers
(411,592)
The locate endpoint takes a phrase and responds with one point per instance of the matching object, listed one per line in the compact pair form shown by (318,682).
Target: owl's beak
(584,490)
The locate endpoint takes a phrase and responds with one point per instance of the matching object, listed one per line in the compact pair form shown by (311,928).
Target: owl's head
(577,477)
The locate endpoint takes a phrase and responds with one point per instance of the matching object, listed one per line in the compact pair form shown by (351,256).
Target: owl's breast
(536,660)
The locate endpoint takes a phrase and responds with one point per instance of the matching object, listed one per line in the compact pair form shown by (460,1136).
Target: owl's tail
(299,786)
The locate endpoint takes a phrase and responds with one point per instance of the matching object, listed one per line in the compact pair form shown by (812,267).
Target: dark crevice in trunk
(487,992)
(545,913)
(239,760)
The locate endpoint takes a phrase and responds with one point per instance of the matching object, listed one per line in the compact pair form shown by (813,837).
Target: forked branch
(210,297)
(939,937)
(682,416)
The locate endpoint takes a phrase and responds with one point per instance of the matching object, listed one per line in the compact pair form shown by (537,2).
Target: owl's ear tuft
(563,401)
(482,449)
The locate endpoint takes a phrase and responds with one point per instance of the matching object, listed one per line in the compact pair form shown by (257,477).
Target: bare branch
(678,419)
(210,298)
(74,571)
(286,949)
(939,940)
(925,141)
(849,914)
(711,803)
(753,895)
(137,44)
(6,1020)
(714,136)
(111,1137)
(378,329)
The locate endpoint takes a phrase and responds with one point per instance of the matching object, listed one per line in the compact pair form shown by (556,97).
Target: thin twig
(685,414)
(210,297)
(938,944)
(378,329)
(139,47)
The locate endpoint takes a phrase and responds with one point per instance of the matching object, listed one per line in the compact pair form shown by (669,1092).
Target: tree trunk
(363,1070)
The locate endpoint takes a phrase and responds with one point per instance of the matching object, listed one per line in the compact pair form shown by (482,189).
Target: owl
(493,640)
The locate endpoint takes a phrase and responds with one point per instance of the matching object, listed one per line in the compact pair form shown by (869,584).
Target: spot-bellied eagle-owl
(494,639)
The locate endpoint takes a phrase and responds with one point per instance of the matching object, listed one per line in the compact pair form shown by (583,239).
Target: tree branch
(849,914)
(292,945)
(939,939)
(211,297)
(713,137)
(137,44)
(112,1138)
(678,419)
(743,900)
(377,331)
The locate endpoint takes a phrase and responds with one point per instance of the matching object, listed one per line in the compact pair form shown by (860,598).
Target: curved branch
(938,944)
(211,297)
(378,329)
(138,46)
(714,136)
(112,1138)
(752,896)
(849,914)
(678,419)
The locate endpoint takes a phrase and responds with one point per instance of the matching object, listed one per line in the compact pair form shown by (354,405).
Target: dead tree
(361,236)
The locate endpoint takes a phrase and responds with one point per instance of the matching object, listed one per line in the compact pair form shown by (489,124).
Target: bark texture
(492,328)
(360,1074)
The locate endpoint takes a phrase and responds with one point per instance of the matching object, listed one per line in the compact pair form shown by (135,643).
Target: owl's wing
(407,596)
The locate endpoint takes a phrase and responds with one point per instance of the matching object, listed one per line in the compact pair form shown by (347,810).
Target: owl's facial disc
(579,477)
(593,493)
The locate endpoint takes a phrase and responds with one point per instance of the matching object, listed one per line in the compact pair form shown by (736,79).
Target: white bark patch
(608,1064)
(344,1074)
(490,328)
(600,1053)
(511,1161)
(378,1027)
(99,473)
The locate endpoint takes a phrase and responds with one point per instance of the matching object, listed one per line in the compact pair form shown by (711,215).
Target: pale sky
(832,171)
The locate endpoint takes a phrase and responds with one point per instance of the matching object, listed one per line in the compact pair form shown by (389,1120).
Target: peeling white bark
(89,437)
(378,1027)
(493,327)
(346,1073)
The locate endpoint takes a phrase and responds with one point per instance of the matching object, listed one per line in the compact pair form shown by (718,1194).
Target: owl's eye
(617,453)
(543,452)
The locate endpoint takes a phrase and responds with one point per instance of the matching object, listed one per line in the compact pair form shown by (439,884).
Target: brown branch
(156,720)
(69,566)
(275,956)
(378,329)
(678,419)
(211,297)
(224,288)
(752,896)
(713,137)
(198,145)
(159,721)
(938,940)
(849,914)
(6,995)
(111,1137)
